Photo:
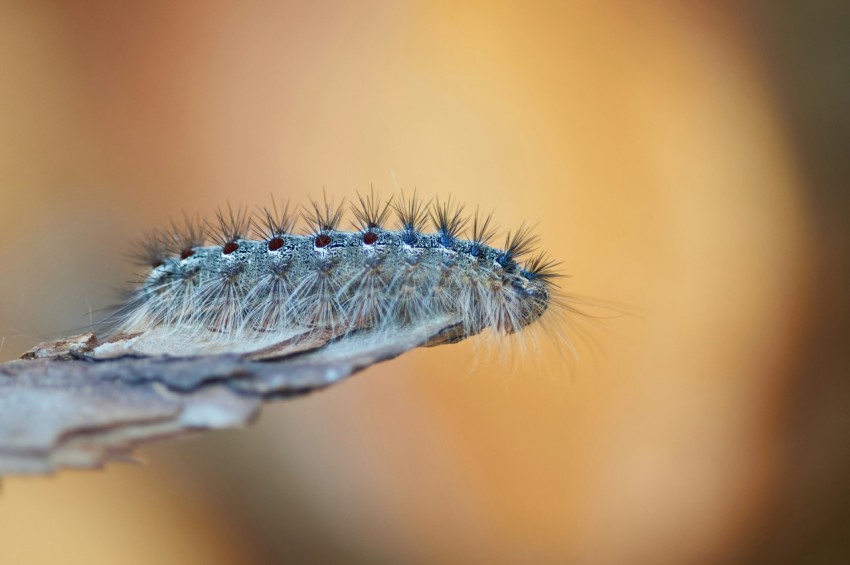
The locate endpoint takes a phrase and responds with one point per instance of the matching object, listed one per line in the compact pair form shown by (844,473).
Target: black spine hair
(412,214)
(482,232)
(323,217)
(184,238)
(448,220)
(369,212)
(275,222)
(151,250)
(230,226)
(518,243)
(542,267)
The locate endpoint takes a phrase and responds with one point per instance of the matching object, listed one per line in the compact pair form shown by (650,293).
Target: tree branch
(81,403)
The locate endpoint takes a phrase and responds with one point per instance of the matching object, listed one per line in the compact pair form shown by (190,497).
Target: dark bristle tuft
(230,226)
(184,238)
(369,212)
(520,243)
(448,220)
(483,230)
(276,223)
(541,266)
(150,250)
(412,213)
(324,217)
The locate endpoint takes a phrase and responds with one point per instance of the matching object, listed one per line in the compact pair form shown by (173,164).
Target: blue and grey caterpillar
(213,282)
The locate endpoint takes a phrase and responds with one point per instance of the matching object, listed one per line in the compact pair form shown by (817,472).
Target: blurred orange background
(663,150)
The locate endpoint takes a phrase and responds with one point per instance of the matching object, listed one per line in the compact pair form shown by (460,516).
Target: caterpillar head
(533,301)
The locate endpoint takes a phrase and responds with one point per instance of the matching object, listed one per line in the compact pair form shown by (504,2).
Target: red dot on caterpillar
(370,238)
(186,253)
(230,247)
(322,240)
(275,244)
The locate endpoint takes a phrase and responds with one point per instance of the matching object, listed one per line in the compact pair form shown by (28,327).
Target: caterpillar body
(210,285)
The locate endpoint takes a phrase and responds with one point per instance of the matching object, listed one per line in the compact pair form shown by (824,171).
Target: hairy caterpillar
(210,286)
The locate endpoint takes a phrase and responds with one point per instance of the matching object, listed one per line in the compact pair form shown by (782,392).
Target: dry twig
(79,403)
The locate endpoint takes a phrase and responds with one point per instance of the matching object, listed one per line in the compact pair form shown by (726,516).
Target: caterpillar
(242,280)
